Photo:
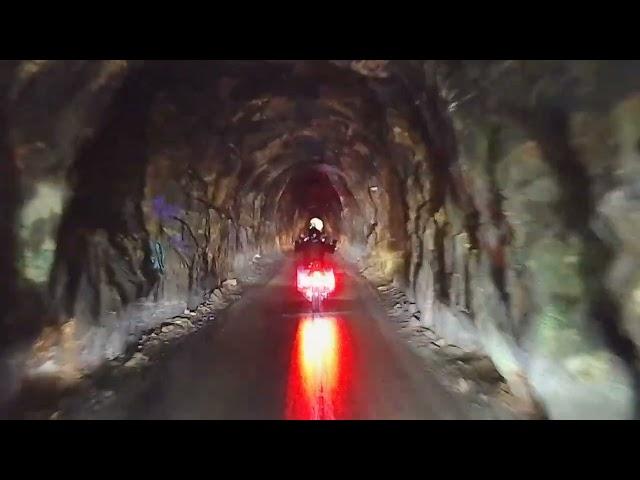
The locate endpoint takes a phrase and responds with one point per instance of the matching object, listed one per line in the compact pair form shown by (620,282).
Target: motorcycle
(316,282)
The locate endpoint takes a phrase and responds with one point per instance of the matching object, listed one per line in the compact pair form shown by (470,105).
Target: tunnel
(484,212)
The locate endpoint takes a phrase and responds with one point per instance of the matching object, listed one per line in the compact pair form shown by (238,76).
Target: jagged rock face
(49,109)
(502,196)
(147,184)
(541,147)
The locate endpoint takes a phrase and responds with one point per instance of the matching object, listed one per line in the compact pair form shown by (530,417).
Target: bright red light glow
(322,280)
(319,377)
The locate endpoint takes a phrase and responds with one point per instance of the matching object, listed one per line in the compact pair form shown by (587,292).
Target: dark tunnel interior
(309,193)
(497,198)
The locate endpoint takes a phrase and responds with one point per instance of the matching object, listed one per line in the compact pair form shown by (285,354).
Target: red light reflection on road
(319,375)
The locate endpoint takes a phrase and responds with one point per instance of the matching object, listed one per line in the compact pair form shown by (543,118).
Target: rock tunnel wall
(500,195)
(521,251)
(143,185)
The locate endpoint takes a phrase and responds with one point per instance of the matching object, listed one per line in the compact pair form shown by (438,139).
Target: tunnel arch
(215,148)
(425,157)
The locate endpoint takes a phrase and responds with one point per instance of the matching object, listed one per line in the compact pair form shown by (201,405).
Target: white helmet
(317,224)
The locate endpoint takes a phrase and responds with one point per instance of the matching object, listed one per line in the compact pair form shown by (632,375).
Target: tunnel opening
(309,193)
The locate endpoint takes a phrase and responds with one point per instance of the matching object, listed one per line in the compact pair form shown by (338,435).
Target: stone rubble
(468,374)
(154,344)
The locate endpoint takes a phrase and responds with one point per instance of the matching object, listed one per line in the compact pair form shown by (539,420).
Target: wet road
(267,358)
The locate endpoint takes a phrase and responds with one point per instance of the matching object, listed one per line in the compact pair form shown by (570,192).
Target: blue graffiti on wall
(180,244)
(164,210)
(157,257)
(168,213)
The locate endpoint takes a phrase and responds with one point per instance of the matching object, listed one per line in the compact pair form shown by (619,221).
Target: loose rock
(137,360)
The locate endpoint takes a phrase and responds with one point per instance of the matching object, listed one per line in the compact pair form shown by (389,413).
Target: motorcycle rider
(314,244)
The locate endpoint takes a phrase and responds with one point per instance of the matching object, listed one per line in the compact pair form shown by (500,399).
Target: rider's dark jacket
(314,245)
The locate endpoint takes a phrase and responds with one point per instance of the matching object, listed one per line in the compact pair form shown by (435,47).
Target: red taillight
(301,281)
(329,280)
(322,280)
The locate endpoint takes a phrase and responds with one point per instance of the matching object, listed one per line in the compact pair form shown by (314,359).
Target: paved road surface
(267,358)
